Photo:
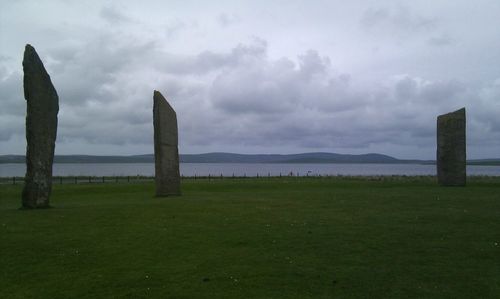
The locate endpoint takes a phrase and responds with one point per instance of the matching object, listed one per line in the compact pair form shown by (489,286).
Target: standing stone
(167,178)
(451,149)
(41,130)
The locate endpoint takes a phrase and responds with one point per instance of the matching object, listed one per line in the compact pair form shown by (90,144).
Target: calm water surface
(240,169)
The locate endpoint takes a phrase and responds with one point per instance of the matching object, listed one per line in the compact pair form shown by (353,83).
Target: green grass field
(255,238)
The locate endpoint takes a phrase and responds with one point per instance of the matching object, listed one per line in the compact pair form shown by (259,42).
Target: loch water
(244,169)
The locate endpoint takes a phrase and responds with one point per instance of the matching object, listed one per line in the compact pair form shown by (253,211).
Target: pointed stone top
(158,96)
(29,47)
(460,112)
(30,56)
(160,100)
(32,62)
(34,71)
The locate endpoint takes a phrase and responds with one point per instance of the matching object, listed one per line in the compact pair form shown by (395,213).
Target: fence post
(128,179)
(103,179)
(13,180)
(209,177)
(60,180)
(90,179)
(76,180)
(221,176)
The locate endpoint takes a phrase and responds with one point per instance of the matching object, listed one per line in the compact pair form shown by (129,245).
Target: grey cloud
(13,106)
(441,40)
(12,95)
(243,97)
(209,61)
(87,72)
(281,86)
(487,106)
(253,100)
(399,21)
(175,27)
(11,125)
(406,88)
(436,93)
(255,96)
(5,58)
(113,133)
(374,16)
(114,15)
(265,86)
(99,101)
(201,63)
(254,88)
(312,64)
(225,19)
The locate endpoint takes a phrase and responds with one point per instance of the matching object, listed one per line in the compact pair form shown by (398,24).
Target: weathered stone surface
(167,177)
(451,149)
(41,130)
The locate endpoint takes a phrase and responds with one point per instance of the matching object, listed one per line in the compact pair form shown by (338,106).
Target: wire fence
(60,180)
(15,180)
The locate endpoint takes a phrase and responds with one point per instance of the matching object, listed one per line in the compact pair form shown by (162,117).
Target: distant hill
(84,159)
(489,162)
(225,158)
(244,158)
(292,158)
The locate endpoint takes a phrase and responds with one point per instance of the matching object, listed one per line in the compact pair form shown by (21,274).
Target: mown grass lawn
(255,238)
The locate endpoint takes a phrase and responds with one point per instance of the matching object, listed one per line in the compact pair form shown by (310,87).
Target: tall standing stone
(41,130)
(167,177)
(451,149)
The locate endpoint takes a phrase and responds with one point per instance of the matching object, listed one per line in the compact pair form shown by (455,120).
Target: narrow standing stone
(167,178)
(41,130)
(451,149)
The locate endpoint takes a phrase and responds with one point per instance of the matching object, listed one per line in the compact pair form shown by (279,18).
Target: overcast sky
(258,76)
